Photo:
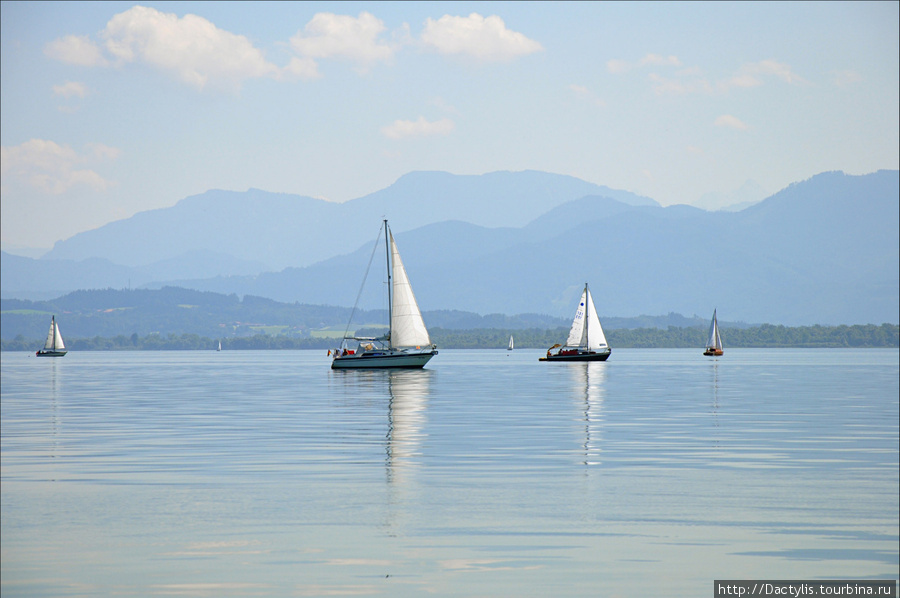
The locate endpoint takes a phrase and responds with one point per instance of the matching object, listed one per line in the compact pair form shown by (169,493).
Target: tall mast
(387,252)
(587,320)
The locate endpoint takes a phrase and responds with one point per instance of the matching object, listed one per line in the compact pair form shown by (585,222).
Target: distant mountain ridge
(821,251)
(282,230)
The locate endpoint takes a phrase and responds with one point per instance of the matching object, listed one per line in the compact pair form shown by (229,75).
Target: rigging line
(362,286)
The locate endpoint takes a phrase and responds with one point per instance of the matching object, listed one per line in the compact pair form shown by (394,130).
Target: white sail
(576,333)
(594,337)
(586,332)
(715,340)
(54,340)
(407,327)
(511,344)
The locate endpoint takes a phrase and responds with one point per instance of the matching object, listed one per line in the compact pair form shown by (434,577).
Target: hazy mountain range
(821,251)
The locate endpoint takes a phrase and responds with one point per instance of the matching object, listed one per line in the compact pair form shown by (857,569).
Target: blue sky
(113,108)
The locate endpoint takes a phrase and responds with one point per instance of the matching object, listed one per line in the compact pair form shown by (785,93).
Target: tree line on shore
(766,335)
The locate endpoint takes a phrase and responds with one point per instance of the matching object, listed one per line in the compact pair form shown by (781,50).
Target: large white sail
(54,340)
(586,332)
(407,327)
(714,341)
(594,337)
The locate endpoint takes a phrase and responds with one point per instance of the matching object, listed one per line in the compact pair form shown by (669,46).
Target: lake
(265,473)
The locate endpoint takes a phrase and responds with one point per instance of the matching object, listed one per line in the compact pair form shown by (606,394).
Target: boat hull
(714,352)
(47,353)
(586,356)
(383,360)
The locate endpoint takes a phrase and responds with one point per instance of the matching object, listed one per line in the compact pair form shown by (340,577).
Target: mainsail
(407,327)
(586,332)
(715,341)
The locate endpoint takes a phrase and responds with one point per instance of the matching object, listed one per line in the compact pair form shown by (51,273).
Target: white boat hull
(382,360)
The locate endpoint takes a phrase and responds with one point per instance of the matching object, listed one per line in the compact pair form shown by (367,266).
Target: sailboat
(406,343)
(511,344)
(54,346)
(586,340)
(220,346)
(714,343)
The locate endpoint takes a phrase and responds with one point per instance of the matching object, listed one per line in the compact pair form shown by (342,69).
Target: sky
(113,108)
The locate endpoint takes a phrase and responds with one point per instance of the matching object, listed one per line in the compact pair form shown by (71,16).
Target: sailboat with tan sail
(714,343)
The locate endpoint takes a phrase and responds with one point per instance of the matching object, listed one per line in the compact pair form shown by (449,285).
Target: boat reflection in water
(589,387)
(407,416)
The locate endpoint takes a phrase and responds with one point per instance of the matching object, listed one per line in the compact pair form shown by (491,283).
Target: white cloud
(691,80)
(400,129)
(52,168)
(727,120)
(329,35)
(71,89)
(782,71)
(77,50)
(304,68)
(101,151)
(657,60)
(484,38)
(191,47)
(585,94)
(740,80)
(752,74)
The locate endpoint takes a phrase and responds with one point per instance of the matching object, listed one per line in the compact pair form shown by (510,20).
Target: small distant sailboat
(407,343)
(54,345)
(714,343)
(586,340)
(220,346)
(511,344)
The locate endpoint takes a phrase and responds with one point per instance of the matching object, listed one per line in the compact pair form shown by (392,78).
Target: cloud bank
(484,38)
(201,55)
(51,168)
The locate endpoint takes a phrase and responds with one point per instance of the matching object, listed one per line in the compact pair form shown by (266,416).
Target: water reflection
(409,391)
(589,385)
(715,401)
(406,394)
(53,447)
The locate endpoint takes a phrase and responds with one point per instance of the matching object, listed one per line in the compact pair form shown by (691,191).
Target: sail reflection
(53,446)
(589,385)
(409,391)
(715,398)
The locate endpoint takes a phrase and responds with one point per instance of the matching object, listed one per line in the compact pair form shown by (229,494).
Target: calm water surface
(486,474)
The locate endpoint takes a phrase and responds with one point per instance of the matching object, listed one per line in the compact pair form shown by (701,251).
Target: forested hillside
(176,318)
(869,336)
